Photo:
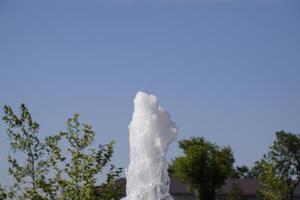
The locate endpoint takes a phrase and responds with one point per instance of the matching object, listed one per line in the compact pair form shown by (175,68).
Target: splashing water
(150,133)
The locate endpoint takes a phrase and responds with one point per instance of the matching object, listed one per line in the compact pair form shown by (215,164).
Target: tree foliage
(204,166)
(64,166)
(29,176)
(75,178)
(3,194)
(272,186)
(279,170)
(242,172)
(111,189)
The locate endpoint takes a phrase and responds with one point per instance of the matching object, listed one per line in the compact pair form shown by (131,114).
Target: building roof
(247,186)
(177,187)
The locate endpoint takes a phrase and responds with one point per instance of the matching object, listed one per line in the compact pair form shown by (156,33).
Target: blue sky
(228,70)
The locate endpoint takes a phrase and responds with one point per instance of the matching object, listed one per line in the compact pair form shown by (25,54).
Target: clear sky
(228,70)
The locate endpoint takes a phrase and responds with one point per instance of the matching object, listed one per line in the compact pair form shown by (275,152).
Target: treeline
(205,166)
(65,165)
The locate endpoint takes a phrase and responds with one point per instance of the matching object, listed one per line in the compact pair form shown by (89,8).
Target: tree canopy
(63,166)
(279,170)
(204,166)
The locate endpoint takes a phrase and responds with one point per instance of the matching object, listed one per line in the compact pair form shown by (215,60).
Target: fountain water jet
(150,133)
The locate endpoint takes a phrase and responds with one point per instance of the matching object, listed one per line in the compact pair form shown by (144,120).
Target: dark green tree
(3,194)
(242,172)
(204,166)
(279,170)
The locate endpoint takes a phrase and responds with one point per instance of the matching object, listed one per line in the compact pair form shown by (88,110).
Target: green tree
(279,170)
(44,170)
(272,186)
(204,166)
(29,176)
(75,178)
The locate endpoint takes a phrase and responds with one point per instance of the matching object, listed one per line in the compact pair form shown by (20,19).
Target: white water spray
(150,133)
